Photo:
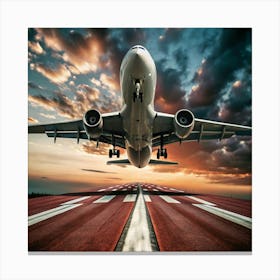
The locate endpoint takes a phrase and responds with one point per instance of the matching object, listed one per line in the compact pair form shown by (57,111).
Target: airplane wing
(112,127)
(203,130)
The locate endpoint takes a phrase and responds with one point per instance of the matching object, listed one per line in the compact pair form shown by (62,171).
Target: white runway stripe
(104,199)
(138,235)
(50,213)
(200,200)
(75,200)
(130,198)
(169,199)
(228,215)
(147,198)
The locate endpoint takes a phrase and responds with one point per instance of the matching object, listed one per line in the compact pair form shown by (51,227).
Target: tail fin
(152,161)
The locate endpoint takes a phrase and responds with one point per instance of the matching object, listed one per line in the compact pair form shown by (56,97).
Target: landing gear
(161,152)
(114,151)
(137,94)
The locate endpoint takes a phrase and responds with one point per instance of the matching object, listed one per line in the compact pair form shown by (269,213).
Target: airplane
(137,127)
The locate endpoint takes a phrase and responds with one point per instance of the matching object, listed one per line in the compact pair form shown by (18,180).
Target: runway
(138,217)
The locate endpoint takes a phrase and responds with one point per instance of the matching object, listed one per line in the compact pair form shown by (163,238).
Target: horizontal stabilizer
(152,161)
(162,162)
(119,161)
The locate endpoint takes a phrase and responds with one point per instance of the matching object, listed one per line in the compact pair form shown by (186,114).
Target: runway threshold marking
(147,198)
(200,200)
(104,199)
(130,198)
(169,199)
(66,206)
(75,200)
(228,215)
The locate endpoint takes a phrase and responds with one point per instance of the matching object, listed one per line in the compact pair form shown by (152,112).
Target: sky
(205,70)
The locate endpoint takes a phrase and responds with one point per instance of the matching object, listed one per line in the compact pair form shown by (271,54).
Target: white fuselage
(138,84)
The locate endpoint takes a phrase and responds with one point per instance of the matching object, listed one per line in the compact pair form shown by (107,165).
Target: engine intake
(93,123)
(183,123)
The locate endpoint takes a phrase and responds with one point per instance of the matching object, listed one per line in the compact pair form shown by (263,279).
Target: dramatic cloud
(205,70)
(36,47)
(48,116)
(82,52)
(58,75)
(231,54)
(169,94)
(61,103)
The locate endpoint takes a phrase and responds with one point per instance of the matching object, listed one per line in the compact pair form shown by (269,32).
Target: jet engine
(93,123)
(183,123)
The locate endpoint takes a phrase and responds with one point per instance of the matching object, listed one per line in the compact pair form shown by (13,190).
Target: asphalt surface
(138,217)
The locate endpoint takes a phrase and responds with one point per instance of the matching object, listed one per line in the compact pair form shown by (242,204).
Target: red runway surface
(176,221)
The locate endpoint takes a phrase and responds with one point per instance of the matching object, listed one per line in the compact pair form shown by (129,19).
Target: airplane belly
(139,158)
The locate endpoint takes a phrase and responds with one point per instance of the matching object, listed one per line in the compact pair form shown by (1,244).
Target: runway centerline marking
(104,199)
(138,234)
(66,206)
(228,215)
(130,198)
(200,200)
(169,199)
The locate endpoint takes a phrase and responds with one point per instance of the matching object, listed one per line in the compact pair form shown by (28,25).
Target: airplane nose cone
(137,63)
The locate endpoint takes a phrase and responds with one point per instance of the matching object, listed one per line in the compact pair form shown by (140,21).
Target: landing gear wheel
(118,153)
(165,153)
(110,153)
(158,154)
(161,153)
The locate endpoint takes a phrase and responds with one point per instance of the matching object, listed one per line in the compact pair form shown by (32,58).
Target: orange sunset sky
(207,71)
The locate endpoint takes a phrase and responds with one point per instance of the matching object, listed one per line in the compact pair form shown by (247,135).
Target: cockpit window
(138,47)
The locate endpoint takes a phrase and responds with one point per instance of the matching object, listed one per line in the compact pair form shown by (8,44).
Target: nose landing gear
(137,94)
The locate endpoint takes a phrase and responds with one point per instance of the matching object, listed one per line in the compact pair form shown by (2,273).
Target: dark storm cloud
(231,53)
(134,36)
(169,88)
(98,171)
(170,36)
(238,106)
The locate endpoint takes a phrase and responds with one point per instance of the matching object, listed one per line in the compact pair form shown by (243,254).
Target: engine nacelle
(93,123)
(183,123)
